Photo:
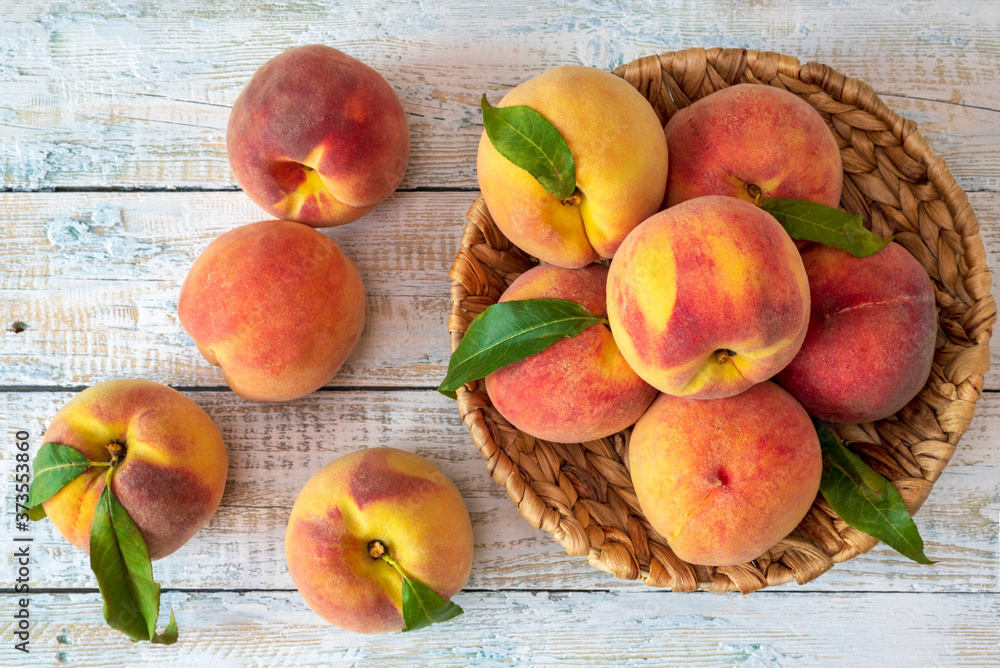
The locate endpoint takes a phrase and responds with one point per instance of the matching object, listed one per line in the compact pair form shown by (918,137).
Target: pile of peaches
(317,139)
(724,336)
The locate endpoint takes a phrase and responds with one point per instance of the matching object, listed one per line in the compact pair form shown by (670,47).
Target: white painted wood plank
(540,629)
(275,449)
(135,95)
(95,278)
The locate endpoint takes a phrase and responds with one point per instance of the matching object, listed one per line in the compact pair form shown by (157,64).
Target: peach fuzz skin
(723,480)
(708,298)
(871,338)
(317,137)
(579,388)
(749,139)
(392,496)
(173,472)
(277,305)
(620,154)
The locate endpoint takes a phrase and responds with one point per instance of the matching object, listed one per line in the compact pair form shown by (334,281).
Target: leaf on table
(508,332)
(54,467)
(120,559)
(823,224)
(422,606)
(527,139)
(866,500)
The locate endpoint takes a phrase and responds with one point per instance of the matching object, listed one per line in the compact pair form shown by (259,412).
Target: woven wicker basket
(582,493)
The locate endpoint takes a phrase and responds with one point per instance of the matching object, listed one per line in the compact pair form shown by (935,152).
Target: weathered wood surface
(112,95)
(94,278)
(275,449)
(102,99)
(538,629)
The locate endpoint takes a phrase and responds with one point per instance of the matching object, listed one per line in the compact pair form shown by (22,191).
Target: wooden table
(112,138)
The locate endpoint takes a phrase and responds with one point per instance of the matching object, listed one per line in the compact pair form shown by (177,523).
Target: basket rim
(696,69)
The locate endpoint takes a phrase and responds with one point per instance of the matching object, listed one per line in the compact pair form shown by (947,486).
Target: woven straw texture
(582,493)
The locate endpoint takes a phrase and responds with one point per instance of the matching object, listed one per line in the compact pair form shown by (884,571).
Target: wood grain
(123,95)
(502,628)
(94,278)
(275,449)
(103,99)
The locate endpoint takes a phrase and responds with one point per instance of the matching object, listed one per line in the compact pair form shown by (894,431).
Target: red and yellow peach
(579,388)
(277,305)
(708,297)
(871,338)
(318,137)
(171,468)
(723,480)
(620,154)
(395,498)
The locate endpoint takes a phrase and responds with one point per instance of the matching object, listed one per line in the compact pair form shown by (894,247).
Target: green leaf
(422,606)
(864,499)
(810,221)
(510,331)
(120,560)
(527,139)
(54,467)
(169,635)
(36,513)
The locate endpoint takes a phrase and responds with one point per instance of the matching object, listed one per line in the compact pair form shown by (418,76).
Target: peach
(708,297)
(750,141)
(401,501)
(277,305)
(317,137)
(723,480)
(172,463)
(620,154)
(580,388)
(871,337)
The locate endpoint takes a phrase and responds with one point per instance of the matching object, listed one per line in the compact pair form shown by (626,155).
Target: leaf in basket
(508,332)
(823,224)
(523,136)
(864,499)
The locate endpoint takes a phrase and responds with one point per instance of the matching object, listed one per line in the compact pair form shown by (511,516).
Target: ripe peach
(751,139)
(580,388)
(723,480)
(172,467)
(620,153)
(708,297)
(277,305)
(397,498)
(318,137)
(871,337)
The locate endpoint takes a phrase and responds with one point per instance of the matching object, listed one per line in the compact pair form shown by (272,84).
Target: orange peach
(708,297)
(871,337)
(172,462)
(579,388)
(723,480)
(401,501)
(277,305)
(620,154)
(318,137)
(750,141)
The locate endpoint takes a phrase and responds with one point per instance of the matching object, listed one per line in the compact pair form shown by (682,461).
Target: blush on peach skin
(317,137)
(400,499)
(171,477)
(580,388)
(725,479)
